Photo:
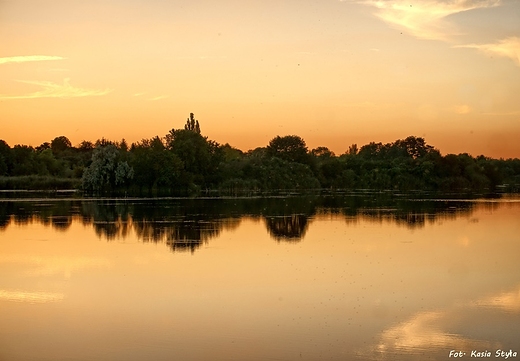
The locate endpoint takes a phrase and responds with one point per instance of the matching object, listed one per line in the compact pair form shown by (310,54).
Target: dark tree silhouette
(290,147)
(154,166)
(192,124)
(43,146)
(353,149)
(86,146)
(6,158)
(322,152)
(185,162)
(200,156)
(60,144)
(414,147)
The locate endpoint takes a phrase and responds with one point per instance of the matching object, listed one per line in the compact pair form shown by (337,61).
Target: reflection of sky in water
(30,297)
(507,301)
(48,266)
(363,285)
(487,324)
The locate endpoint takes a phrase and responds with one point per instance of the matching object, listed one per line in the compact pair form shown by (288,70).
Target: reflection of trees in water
(183,235)
(6,211)
(111,230)
(286,218)
(110,219)
(186,224)
(411,220)
(287,228)
(57,214)
(61,223)
(428,212)
(402,211)
(183,224)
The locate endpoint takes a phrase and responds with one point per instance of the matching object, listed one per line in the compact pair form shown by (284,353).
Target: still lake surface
(349,277)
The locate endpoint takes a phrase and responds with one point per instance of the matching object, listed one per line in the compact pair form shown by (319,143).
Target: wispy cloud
(508,48)
(27,58)
(365,104)
(160,97)
(514,113)
(54,90)
(462,109)
(202,57)
(425,19)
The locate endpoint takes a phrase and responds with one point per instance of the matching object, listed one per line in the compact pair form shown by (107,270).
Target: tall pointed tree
(192,124)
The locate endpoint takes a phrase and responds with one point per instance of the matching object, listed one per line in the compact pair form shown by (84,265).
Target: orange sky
(333,72)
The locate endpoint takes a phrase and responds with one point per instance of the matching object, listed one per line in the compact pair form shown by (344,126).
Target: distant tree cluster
(411,164)
(185,162)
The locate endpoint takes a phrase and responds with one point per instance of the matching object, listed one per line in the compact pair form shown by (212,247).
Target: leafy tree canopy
(60,144)
(291,148)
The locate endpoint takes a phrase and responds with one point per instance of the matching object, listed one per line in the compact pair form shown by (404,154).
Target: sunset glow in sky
(333,72)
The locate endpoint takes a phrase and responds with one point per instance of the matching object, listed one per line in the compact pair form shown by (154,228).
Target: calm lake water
(298,278)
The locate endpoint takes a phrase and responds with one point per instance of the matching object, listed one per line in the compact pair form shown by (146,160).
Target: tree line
(184,162)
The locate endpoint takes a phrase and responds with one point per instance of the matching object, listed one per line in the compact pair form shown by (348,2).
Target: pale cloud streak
(463,109)
(28,58)
(508,48)
(54,90)
(160,97)
(425,19)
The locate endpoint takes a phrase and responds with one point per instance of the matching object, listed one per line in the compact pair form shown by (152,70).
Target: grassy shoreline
(38,183)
